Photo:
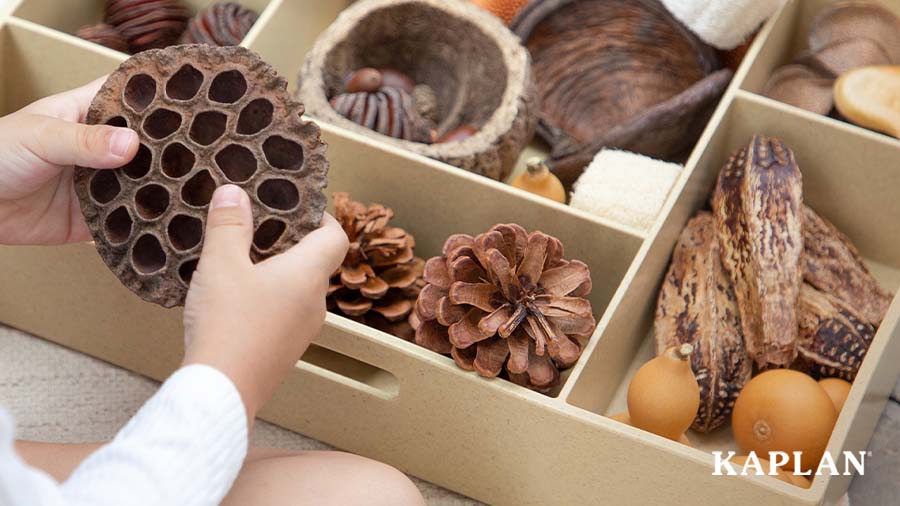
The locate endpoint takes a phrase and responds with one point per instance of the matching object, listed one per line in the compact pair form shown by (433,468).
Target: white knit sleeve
(185,446)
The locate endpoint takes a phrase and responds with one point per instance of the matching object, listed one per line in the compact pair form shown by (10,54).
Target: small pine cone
(389,111)
(222,24)
(105,35)
(148,24)
(506,301)
(380,278)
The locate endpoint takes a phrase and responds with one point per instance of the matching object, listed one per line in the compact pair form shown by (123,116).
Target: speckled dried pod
(479,72)
(833,265)
(389,111)
(105,35)
(148,24)
(697,306)
(205,116)
(834,337)
(757,204)
(221,24)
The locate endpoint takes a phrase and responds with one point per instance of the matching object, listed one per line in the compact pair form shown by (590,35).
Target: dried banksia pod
(105,35)
(506,301)
(148,24)
(380,278)
(205,116)
(697,306)
(834,336)
(389,111)
(758,207)
(833,265)
(221,24)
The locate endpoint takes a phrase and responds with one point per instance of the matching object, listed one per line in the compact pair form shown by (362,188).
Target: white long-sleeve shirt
(185,446)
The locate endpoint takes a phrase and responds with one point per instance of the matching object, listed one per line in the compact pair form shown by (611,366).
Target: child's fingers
(60,142)
(229,228)
(320,252)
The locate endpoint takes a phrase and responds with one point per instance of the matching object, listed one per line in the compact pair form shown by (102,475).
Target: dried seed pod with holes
(148,24)
(105,35)
(758,206)
(697,306)
(834,336)
(506,301)
(389,111)
(380,278)
(833,265)
(205,116)
(221,24)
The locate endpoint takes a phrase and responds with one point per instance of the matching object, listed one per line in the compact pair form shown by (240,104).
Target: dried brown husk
(834,337)
(697,306)
(802,87)
(844,55)
(600,63)
(833,265)
(757,204)
(852,20)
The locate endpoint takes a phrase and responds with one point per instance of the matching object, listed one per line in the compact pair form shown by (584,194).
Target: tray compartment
(848,177)
(78,13)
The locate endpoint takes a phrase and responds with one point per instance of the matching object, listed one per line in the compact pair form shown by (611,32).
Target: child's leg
(271,476)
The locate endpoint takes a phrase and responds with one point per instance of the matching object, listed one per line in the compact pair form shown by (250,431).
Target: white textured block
(625,187)
(722,23)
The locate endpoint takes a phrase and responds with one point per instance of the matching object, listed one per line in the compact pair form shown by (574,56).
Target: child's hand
(252,322)
(38,147)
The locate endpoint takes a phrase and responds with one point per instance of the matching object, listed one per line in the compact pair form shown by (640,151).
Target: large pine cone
(380,277)
(221,24)
(506,300)
(389,111)
(148,24)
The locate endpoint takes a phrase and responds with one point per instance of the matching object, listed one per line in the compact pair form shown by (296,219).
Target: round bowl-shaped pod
(148,217)
(624,74)
(478,71)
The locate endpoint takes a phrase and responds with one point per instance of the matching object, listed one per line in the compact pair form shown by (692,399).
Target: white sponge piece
(722,23)
(625,187)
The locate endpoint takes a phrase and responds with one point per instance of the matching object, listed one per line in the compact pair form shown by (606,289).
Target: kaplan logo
(852,461)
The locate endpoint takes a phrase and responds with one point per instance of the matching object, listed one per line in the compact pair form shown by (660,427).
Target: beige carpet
(59,395)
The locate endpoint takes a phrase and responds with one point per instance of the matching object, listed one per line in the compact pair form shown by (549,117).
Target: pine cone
(380,278)
(148,24)
(105,35)
(506,293)
(222,24)
(389,111)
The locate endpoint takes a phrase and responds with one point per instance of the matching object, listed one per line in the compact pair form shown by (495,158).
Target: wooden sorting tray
(374,394)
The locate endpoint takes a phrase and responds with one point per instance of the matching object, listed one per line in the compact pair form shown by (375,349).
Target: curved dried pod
(480,75)
(870,98)
(834,337)
(851,20)
(845,55)
(802,87)
(599,64)
(666,131)
(757,204)
(697,306)
(832,265)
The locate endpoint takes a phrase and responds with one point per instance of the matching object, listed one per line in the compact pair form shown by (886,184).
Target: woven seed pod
(221,24)
(506,302)
(388,111)
(205,116)
(380,278)
(148,24)
(105,35)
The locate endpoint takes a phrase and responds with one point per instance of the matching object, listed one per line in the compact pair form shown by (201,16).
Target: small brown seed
(396,79)
(365,79)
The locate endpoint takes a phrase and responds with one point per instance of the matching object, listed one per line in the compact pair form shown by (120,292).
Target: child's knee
(382,484)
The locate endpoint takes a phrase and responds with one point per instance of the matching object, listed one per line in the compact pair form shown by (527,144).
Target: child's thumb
(229,227)
(62,142)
